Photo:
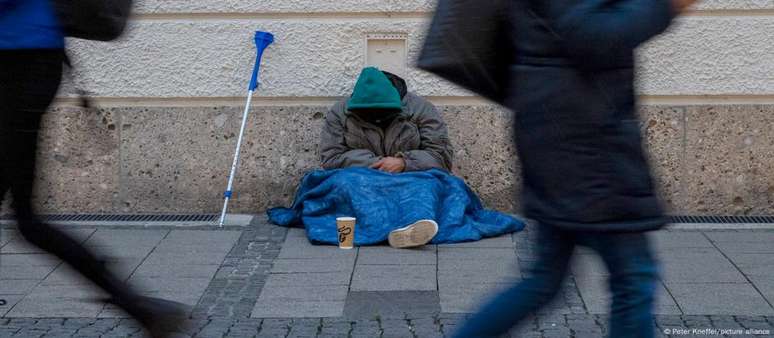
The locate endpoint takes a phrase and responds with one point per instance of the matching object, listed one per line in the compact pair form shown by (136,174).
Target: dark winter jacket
(418,135)
(576,129)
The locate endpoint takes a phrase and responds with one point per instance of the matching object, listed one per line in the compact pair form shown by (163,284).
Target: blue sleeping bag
(383,202)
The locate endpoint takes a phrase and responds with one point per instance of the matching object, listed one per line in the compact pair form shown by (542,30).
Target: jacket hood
(374,90)
(397,82)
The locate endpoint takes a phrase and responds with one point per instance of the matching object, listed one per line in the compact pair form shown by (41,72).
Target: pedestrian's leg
(633,281)
(508,308)
(28,92)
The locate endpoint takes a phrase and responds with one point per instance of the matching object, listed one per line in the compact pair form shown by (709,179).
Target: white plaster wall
(321,57)
(306,6)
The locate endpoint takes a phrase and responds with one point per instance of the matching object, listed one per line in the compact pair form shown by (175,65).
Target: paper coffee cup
(345,226)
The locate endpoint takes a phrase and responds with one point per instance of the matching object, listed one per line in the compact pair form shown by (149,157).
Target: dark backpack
(101,20)
(468,44)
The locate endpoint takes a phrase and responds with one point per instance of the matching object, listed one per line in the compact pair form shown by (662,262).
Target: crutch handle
(262,40)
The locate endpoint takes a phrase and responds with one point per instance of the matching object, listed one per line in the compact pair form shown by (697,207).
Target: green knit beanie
(374,90)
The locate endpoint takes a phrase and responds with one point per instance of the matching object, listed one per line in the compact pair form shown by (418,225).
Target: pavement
(266,281)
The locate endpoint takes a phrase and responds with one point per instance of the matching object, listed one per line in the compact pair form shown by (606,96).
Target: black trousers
(29,80)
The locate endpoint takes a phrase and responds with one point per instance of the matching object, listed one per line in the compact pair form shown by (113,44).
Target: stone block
(385,255)
(193,285)
(753,264)
(719,299)
(503,241)
(301,309)
(174,270)
(55,308)
(17,286)
(467,299)
(741,236)
(681,266)
(313,265)
(126,237)
(305,293)
(78,161)
(663,128)
(29,260)
(729,166)
(476,254)
(10,302)
(392,304)
(394,278)
(16,272)
(157,182)
(678,240)
(596,296)
(307,279)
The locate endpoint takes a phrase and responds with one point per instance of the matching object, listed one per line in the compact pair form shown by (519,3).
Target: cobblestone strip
(238,282)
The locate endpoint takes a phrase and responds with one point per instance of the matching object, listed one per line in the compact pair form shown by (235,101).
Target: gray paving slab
(741,236)
(385,255)
(504,241)
(191,249)
(596,296)
(346,265)
(491,268)
(307,279)
(134,236)
(394,278)
(71,291)
(16,272)
(109,252)
(467,299)
(667,240)
(450,280)
(20,246)
(173,270)
(698,266)
(80,234)
(193,285)
(160,258)
(307,309)
(296,233)
(588,266)
(476,254)
(295,248)
(18,286)
(65,275)
(764,284)
(55,308)
(392,304)
(10,302)
(201,237)
(719,299)
(754,264)
(746,247)
(112,311)
(184,297)
(28,260)
(306,293)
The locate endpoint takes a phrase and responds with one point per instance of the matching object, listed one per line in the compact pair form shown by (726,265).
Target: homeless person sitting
(387,157)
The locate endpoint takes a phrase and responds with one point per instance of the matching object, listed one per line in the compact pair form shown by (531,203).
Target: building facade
(171,93)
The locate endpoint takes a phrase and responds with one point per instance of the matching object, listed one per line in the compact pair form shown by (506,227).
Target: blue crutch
(262,40)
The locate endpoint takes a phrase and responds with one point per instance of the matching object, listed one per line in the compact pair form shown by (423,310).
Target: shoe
(414,235)
(162,318)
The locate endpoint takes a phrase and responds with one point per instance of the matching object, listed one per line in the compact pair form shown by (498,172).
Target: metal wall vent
(124,218)
(722,219)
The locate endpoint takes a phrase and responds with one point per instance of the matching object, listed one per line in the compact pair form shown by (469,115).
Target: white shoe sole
(414,235)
